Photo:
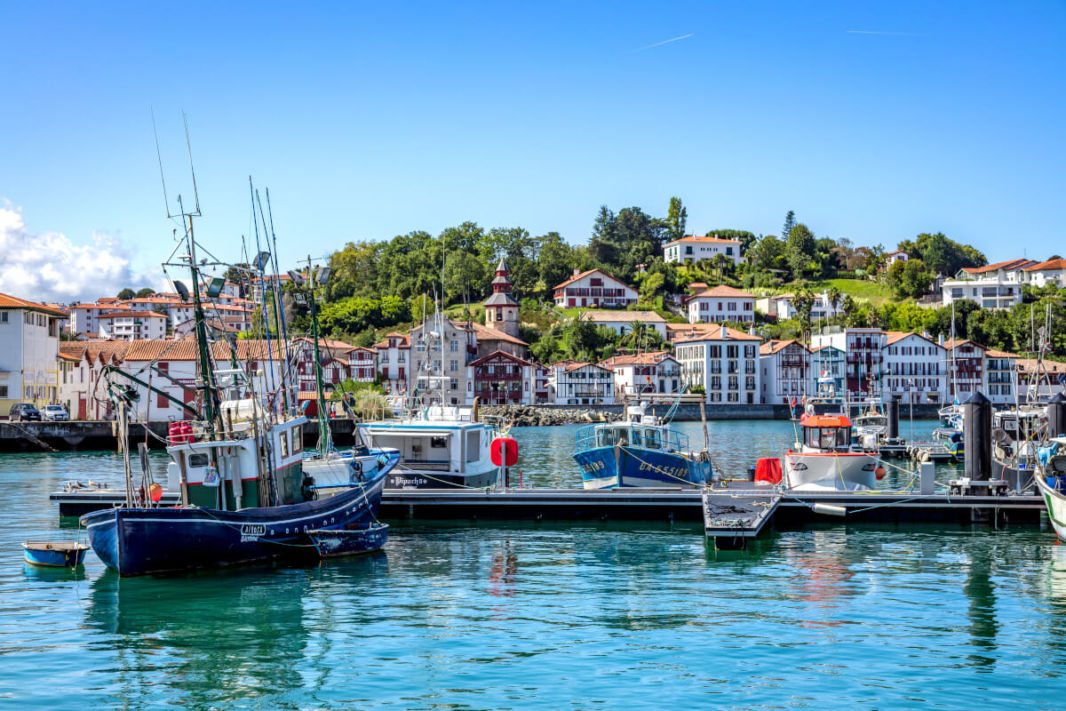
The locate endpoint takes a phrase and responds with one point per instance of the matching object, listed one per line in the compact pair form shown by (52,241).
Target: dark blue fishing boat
(139,541)
(54,555)
(641,451)
(245,497)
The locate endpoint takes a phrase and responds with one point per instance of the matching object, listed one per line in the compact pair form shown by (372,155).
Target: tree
(800,251)
(651,286)
(145,292)
(790,222)
(126,293)
(464,276)
(834,296)
(847,307)
(676,218)
(747,239)
(769,253)
(803,303)
(945,256)
(555,260)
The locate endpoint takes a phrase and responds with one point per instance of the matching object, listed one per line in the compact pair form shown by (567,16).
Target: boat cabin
(424,445)
(830,433)
(631,434)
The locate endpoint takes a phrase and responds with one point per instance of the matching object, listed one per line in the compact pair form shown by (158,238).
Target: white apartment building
(1052,271)
(863,350)
(698,249)
(29,347)
(996,286)
(1001,377)
(781,306)
(577,383)
(638,374)
(129,325)
(785,372)
(621,322)
(723,361)
(722,303)
(913,369)
(594,288)
(363,364)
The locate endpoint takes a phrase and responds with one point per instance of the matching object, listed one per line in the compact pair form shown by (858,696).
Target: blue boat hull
(356,539)
(46,557)
(639,468)
(137,541)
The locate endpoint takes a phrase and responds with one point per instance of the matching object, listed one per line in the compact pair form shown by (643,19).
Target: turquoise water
(544,617)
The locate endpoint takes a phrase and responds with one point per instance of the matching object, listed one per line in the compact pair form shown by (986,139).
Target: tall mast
(276,287)
(207,372)
(324,435)
(262,286)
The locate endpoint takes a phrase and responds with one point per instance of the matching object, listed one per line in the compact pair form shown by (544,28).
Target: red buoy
(504,452)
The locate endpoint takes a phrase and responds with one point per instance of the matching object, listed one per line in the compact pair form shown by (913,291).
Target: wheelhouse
(826,432)
(628,434)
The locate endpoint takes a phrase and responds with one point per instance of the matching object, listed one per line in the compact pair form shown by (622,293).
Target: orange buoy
(504,452)
(880,472)
(155,492)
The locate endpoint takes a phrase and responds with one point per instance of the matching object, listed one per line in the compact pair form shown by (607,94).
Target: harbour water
(545,616)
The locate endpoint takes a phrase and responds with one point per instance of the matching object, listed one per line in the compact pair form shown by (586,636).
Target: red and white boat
(825,460)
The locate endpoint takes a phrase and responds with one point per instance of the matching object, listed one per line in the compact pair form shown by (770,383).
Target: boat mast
(325,438)
(276,288)
(207,373)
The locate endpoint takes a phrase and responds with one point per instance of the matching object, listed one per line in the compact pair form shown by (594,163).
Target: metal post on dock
(977,431)
(1056,416)
(892,410)
(927,478)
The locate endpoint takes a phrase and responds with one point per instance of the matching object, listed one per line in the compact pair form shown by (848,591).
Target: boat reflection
(209,639)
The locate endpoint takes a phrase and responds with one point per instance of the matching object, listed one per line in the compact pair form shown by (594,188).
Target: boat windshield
(828,437)
(651,439)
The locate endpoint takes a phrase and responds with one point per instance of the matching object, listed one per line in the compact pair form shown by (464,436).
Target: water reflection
(208,639)
(981,593)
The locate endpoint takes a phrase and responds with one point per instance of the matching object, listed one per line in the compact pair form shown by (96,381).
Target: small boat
(351,540)
(54,555)
(641,451)
(871,427)
(825,461)
(1015,434)
(1051,482)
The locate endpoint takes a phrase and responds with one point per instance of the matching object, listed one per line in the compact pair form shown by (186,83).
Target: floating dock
(651,505)
(731,521)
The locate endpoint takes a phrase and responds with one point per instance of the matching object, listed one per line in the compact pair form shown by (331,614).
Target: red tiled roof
(500,354)
(137,314)
(1048,265)
(13,302)
(723,290)
(717,332)
(711,239)
(584,274)
(1009,264)
(636,359)
(772,347)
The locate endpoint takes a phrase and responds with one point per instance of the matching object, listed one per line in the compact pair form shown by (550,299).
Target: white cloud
(49,267)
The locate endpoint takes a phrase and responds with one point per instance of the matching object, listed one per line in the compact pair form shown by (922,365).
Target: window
(198,460)
(284,437)
(297,439)
(3,391)
(3,316)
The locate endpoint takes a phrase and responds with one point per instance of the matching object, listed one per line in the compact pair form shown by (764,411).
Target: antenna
(192,169)
(159,156)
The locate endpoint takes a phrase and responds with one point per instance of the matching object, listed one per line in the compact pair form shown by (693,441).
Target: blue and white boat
(641,451)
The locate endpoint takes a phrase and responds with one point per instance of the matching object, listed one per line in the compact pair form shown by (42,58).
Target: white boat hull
(1056,506)
(830,471)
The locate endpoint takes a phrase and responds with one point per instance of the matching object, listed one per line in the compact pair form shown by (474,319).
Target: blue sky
(873,121)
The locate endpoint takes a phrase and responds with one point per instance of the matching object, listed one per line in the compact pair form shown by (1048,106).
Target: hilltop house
(594,288)
(722,303)
(698,249)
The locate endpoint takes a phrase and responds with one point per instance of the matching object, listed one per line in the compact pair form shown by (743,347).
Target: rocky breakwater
(529,416)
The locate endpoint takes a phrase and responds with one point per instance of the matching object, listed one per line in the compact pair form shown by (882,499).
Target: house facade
(502,378)
(964,368)
(1051,272)
(863,350)
(578,383)
(594,288)
(995,286)
(1001,377)
(639,374)
(785,368)
(699,249)
(720,304)
(393,362)
(724,362)
(622,322)
(130,325)
(29,348)
(913,369)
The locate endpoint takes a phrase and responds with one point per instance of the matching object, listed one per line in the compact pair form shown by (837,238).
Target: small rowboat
(54,555)
(355,539)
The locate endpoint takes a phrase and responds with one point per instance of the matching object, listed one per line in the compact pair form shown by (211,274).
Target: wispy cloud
(668,41)
(50,267)
(881,32)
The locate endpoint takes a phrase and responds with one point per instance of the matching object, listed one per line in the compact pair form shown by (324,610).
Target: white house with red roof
(913,369)
(784,372)
(131,325)
(579,383)
(594,288)
(897,256)
(719,304)
(622,322)
(502,378)
(781,306)
(721,360)
(964,366)
(995,286)
(636,374)
(29,346)
(393,362)
(1053,271)
(697,249)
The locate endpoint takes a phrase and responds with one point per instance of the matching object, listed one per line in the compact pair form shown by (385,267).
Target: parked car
(55,413)
(23,411)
